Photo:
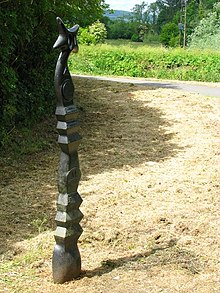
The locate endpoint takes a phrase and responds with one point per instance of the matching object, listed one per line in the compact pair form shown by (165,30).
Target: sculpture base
(66,265)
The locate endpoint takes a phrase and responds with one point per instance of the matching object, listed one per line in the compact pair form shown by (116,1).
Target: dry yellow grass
(151,162)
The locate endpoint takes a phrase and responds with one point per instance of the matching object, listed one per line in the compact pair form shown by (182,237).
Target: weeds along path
(150,162)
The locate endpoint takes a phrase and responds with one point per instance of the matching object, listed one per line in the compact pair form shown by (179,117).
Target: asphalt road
(199,88)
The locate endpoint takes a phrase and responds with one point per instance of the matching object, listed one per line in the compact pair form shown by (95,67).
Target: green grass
(25,266)
(130,44)
(139,60)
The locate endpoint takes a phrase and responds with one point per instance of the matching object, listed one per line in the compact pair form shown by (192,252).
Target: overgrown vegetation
(28,31)
(143,61)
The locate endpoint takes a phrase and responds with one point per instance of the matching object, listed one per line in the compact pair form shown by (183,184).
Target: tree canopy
(207,33)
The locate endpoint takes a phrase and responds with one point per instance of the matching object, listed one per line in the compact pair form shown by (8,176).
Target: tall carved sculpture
(66,263)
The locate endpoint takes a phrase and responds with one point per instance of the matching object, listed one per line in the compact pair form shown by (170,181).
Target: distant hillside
(118,14)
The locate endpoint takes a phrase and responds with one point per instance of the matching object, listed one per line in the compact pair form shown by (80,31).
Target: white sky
(125,4)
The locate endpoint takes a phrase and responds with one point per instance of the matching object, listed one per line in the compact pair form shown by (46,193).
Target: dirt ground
(150,160)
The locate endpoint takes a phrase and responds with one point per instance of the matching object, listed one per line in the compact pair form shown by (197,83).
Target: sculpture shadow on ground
(156,257)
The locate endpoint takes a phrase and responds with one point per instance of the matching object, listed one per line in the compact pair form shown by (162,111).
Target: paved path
(205,90)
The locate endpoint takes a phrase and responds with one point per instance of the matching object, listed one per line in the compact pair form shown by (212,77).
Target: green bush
(26,89)
(93,34)
(135,38)
(170,35)
(98,30)
(85,37)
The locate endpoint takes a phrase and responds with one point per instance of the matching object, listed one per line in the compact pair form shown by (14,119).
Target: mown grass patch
(148,62)
(150,189)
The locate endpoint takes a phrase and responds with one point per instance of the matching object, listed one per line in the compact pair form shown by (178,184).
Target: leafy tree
(93,34)
(153,12)
(141,22)
(140,18)
(98,30)
(207,33)
(84,12)
(148,19)
(139,14)
(28,31)
(170,35)
(168,10)
(121,29)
